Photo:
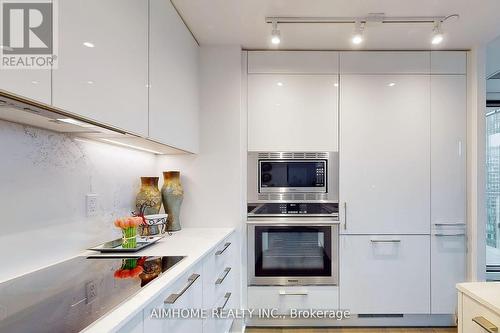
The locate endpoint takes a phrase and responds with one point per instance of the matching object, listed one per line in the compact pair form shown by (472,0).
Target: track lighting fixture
(275,34)
(437,33)
(357,37)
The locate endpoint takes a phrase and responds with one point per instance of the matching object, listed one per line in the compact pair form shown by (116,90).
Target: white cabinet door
(173,76)
(292,112)
(385,62)
(384,154)
(448,62)
(447,268)
(189,288)
(106,82)
(30,83)
(385,274)
(448,142)
(476,317)
(134,325)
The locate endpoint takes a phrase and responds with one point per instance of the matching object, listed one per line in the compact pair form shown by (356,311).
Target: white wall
(44,177)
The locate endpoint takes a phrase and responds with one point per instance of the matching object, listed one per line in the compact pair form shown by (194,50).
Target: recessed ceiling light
(279,84)
(88,44)
(392,84)
(275,34)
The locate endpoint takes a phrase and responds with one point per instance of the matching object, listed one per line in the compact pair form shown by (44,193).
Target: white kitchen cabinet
(189,289)
(173,79)
(447,268)
(34,84)
(385,274)
(479,307)
(384,62)
(448,62)
(292,112)
(384,154)
(106,82)
(293,297)
(448,142)
(134,325)
(293,62)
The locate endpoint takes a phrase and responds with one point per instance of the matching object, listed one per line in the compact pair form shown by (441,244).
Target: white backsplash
(44,178)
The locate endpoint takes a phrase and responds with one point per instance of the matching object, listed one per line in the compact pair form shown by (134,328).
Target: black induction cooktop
(71,295)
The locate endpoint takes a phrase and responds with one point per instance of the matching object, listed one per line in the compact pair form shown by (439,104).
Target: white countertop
(486,293)
(193,243)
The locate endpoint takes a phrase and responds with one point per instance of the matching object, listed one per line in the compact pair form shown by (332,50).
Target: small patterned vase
(173,194)
(149,196)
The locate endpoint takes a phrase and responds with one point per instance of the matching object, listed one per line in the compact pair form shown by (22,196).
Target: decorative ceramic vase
(149,196)
(172,194)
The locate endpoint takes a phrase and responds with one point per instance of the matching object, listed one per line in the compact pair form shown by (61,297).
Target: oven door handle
(293,293)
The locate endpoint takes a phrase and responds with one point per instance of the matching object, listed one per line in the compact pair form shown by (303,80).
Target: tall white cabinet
(402,181)
(106,82)
(30,83)
(173,79)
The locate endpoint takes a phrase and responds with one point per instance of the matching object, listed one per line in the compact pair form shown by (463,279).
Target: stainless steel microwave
(293,176)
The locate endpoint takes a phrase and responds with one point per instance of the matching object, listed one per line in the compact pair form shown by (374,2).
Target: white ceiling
(242,22)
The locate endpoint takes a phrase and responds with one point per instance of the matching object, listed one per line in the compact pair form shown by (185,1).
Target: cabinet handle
(218,253)
(345,215)
(485,324)
(293,293)
(385,240)
(449,235)
(223,277)
(227,296)
(459,147)
(173,297)
(445,224)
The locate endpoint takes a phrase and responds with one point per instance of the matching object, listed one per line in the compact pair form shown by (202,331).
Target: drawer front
(189,288)
(395,269)
(476,318)
(214,287)
(286,298)
(220,325)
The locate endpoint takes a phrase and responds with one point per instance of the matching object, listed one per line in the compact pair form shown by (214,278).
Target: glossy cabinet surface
(292,112)
(173,79)
(449,62)
(472,312)
(293,62)
(384,62)
(31,83)
(106,82)
(384,154)
(385,274)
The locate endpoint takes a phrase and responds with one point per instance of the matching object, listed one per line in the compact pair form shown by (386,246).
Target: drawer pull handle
(445,224)
(345,215)
(173,297)
(293,293)
(227,296)
(485,324)
(385,240)
(218,253)
(449,235)
(223,277)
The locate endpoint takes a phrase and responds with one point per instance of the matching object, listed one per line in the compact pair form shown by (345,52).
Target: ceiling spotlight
(437,34)
(357,37)
(275,34)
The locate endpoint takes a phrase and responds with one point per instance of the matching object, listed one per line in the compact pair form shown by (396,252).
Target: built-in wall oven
(295,253)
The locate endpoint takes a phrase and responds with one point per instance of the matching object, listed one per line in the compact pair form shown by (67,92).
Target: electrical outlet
(91,205)
(91,292)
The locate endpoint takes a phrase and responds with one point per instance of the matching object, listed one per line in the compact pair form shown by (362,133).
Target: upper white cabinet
(293,62)
(384,154)
(31,83)
(292,112)
(448,62)
(374,62)
(107,81)
(173,77)
(385,274)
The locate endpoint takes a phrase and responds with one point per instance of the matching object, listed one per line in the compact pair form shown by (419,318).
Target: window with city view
(493,190)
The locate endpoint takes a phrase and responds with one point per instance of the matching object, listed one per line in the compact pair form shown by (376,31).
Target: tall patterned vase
(172,194)
(149,196)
